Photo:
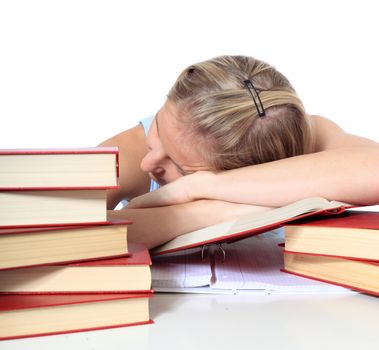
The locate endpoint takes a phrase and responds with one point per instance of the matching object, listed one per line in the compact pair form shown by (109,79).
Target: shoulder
(329,135)
(133,181)
(132,141)
(324,132)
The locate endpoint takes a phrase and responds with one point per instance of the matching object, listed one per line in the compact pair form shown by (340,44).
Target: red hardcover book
(56,186)
(46,245)
(355,274)
(60,168)
(36,315)
(52,208)
(353,234)
(252,224)
(117,275)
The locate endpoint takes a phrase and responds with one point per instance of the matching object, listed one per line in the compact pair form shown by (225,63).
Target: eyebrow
(181,170)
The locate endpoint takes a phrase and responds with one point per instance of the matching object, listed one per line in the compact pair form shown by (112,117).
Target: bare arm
(343,167)
(133,181)
(155,226)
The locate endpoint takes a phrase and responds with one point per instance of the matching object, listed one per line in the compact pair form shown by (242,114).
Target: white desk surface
(257,321)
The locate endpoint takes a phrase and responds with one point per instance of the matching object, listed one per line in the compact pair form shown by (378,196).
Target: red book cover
(138,255)
(356,274)
(43,176)
(48,229)
(367,260)
(36,315)
(254,224)
(52,208)
(331,281)
(352,234)
(348,219)
(129,274)
(73,150)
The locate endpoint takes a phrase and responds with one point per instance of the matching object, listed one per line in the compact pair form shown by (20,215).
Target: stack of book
(342,250)
(63,266)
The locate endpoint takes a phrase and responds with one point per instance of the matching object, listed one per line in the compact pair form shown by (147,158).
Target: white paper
(181,270)
(251,264)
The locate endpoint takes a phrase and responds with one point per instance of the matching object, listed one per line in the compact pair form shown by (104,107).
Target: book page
(183,269)
(250,264)
(247,223)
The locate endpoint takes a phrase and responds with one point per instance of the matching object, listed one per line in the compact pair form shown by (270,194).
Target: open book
(255,223)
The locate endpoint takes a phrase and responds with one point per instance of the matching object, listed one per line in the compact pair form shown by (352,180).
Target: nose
(151,163)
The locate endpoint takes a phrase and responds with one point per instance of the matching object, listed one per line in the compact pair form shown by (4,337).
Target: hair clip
(254,94)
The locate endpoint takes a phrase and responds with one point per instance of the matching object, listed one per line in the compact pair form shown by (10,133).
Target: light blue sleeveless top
(146,123)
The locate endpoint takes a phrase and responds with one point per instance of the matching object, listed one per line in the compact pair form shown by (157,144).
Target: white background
(73,73)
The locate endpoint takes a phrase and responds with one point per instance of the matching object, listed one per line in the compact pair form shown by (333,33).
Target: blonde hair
(214,104)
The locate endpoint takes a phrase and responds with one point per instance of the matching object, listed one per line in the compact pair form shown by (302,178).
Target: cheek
(170,172)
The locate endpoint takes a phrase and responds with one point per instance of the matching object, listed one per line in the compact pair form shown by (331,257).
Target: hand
(184,189)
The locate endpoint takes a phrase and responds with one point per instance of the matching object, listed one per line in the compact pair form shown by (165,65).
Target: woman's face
(171,151)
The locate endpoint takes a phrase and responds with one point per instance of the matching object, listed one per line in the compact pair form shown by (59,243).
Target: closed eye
(181,170)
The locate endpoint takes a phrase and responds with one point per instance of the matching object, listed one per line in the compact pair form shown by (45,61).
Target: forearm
(348,175)
(155,226)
